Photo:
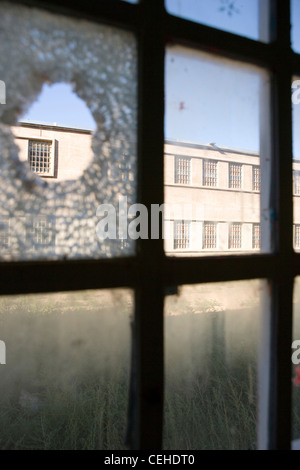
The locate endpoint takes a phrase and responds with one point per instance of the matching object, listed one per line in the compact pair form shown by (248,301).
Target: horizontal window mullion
(121,13)
(191,34)
(178,271)
(34,277)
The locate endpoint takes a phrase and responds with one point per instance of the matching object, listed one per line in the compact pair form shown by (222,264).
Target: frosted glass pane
(295,367)
(212,338)
(217,156)
(295,20)
(244,17)
(65,382)
(43,215)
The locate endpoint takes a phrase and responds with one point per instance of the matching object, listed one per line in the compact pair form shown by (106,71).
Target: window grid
(296,182)
(235,175)
(182,170)
(297,236)
(210,173)
(210,235)
(256,236)
(40,157)
(235,237)
(256,178)
(117,272)
(181,235)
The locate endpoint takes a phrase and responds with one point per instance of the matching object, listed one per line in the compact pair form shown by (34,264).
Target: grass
(65,385)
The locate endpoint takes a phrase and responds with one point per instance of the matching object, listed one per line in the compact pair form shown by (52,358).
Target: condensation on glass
(65,381)
(243,17)
(213,334)
(295,21)
(295,367)
(296,161)
(217,122)
(99,62)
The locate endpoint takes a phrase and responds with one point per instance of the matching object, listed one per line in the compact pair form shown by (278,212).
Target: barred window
(235,175)
(182,170)
(296,182)
(41,231)
(210,173)
(40,157)
(181,234)
(210,235)
(235,236)
(256,236)
(297,236)
(256,179)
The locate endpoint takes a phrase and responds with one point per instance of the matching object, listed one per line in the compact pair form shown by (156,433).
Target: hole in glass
(54,136)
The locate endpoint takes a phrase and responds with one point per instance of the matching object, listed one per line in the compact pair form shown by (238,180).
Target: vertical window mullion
(275,386)
(147,398)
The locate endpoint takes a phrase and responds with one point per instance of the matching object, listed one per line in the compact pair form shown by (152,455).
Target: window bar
(282,284)
(148,328)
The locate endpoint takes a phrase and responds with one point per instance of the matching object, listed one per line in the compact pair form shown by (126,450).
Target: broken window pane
(212,344)
(64,385)
(99,62)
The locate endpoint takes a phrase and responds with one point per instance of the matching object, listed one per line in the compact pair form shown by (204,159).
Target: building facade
(212,194)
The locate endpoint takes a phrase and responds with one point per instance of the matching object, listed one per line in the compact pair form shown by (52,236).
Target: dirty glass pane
(64,381)
(212,339)
(60,188)
(244,17)
(295,20)
(217,156)
(296,160)
(295,365)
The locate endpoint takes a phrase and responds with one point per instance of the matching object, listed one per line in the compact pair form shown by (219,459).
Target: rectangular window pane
(65,382)
(222,127)
(82,178)
(235,176)
(181,235)
(211,358)
(256,178)
(243,17)
(210,235)
(295,20)
(235,238)
(295,367)
(256,236)
(210,173)
(182,170)
(296,156)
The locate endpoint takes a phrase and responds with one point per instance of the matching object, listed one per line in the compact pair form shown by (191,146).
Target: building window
(40,157)
(210,235)
(181,234)
(235,175)
(297,182)
(256,236)
(235,236)
(256,178)
(210,173)
(182,170)
(297,237)
(41,231)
